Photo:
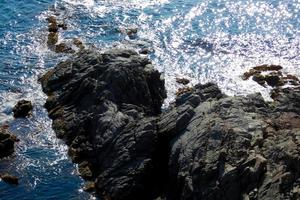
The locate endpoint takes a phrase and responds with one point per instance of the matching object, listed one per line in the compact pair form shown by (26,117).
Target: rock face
(205,146)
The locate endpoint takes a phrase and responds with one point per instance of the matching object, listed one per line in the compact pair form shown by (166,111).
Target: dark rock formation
(261,68)
(7,141)
(78,43)
(182,81)
(22,109)
(274,77)
(234,147)
(144,51)
(63,25)
(63,48)
(52,39)
(53,31)
(53,35)
(206,146)
(132,32)
(184,90)
(103,106)
(10,179)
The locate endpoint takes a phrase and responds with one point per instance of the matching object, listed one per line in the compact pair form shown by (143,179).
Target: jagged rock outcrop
(206,146)
(103,106)
(232,148)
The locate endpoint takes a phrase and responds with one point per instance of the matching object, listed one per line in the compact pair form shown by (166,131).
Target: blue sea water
(203,40)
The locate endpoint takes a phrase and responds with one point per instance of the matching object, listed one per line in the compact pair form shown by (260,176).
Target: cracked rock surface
(206,145)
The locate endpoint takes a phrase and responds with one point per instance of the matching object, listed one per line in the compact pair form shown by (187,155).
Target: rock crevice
(206,145)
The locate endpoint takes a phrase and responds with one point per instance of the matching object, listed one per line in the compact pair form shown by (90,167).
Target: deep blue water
(203,40)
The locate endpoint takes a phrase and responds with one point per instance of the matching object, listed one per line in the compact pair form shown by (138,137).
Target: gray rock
(103,106)
(206,145)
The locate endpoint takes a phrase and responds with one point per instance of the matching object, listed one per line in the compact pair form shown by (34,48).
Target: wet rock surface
(7,141)
(104,107)
(22,109)
(10,179)
(182,81)
(234,147)
(54,26)
(206,145)
(272,76)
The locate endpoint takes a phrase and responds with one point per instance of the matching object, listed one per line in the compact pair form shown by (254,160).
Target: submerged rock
(205,146)
(89,187)
(52,19)
(271,75)
(22,109)
(10,179)
(63,25)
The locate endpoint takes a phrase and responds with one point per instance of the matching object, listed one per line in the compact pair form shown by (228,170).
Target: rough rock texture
(206,146)
(103,107)
(7,141)
(22,109)
(233,148)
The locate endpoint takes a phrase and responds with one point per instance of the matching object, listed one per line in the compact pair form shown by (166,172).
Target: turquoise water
(214,40)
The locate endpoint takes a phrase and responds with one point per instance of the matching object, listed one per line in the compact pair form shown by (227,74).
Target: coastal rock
(52,38)
(206,145)
(182,81)
(63,48)
(78,43)
(234,147)
(132,32)
(10,179)
(144,51)
(89,187)
(271,75)
(7,141)
(184,90)
(22,109)
(103,106)
(53,27)
(63,25)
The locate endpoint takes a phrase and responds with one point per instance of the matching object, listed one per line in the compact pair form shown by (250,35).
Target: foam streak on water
(209,40)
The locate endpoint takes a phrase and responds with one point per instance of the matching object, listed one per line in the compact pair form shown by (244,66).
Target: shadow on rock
(205,146)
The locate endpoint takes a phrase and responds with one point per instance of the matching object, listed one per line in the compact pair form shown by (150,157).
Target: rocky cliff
(107,108)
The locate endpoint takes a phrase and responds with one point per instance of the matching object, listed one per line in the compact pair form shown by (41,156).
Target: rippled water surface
(214,40)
